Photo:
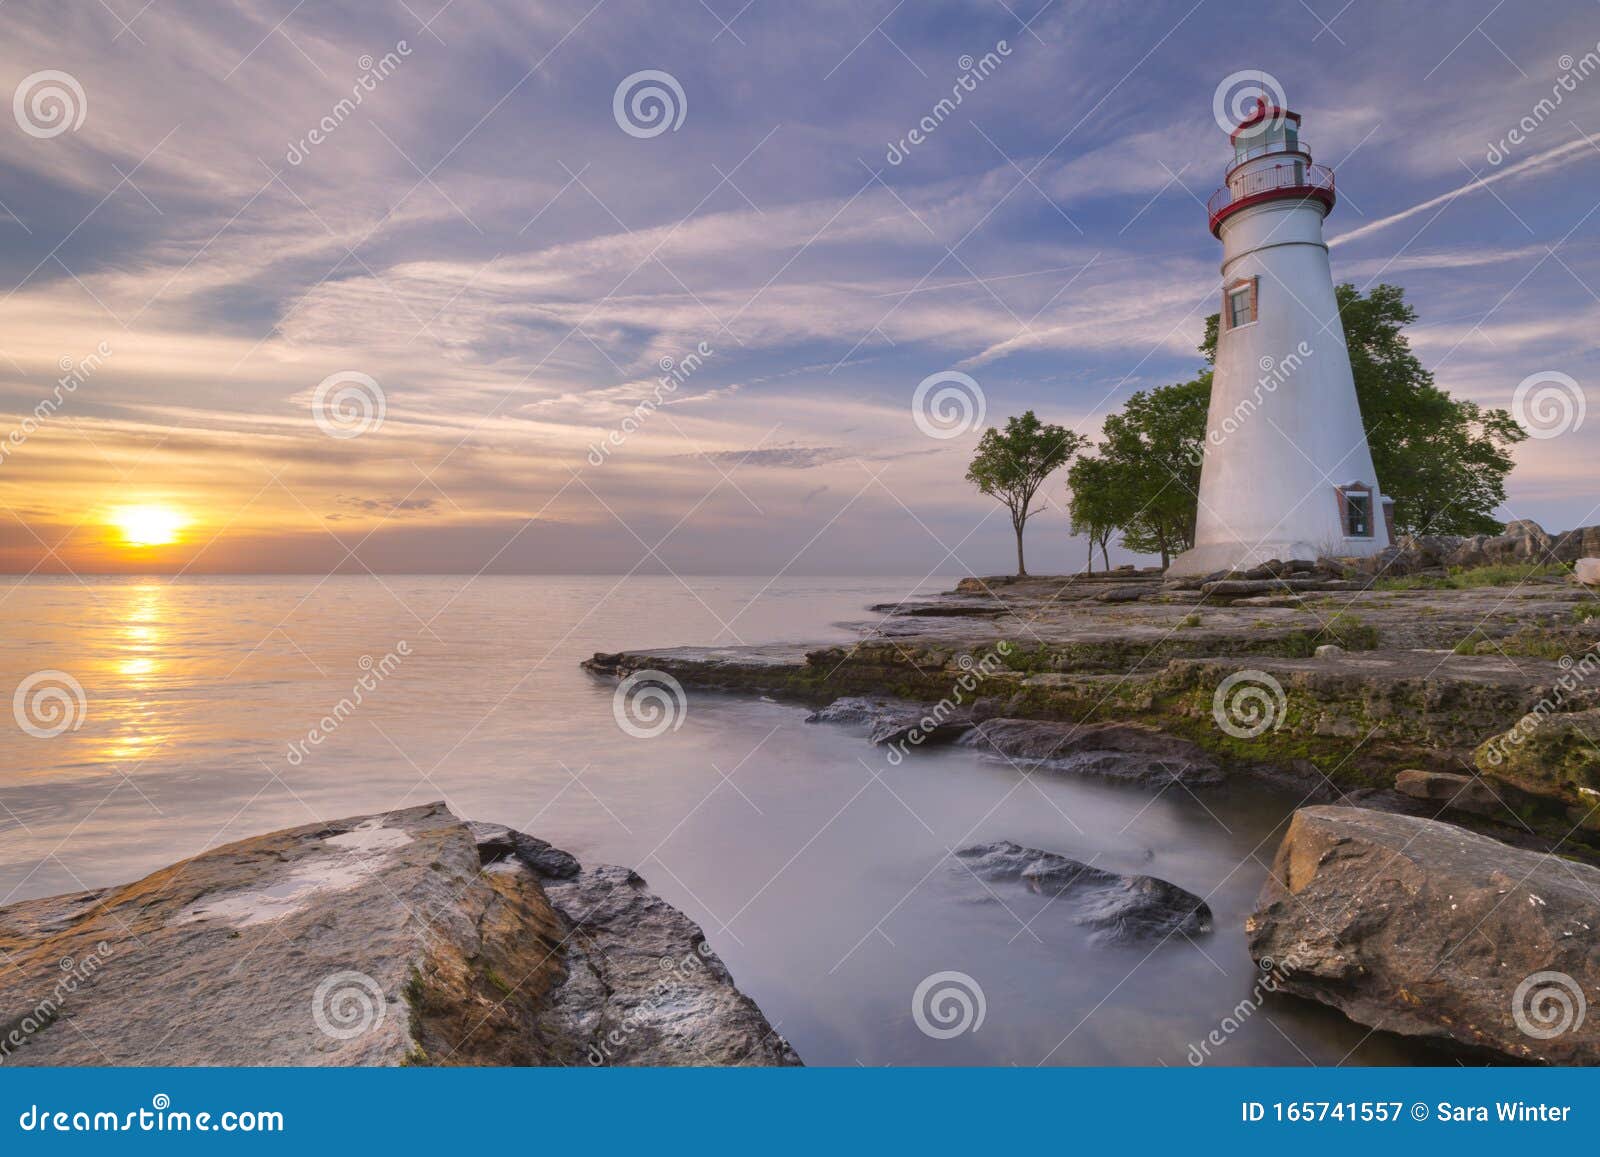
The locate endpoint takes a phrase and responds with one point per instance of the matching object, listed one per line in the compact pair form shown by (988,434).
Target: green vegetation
(1145,481)
(1011,466)
(1465,578)
(1192,619)
(1583,612)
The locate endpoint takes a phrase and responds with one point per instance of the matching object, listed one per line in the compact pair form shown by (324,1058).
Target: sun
(148,525)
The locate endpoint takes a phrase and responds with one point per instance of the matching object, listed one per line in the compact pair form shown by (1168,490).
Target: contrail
(1559,154)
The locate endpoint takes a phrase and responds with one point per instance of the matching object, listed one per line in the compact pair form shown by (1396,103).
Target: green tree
(1443,460)
(1094,506)
(1146,479)
(1011,466)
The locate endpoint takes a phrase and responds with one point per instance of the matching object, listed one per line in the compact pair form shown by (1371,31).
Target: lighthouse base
(1210,557)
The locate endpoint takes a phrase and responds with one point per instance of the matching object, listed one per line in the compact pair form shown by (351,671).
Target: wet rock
(1421,928)
(898,722)
(1120,909)
(1124,751)
(408,937)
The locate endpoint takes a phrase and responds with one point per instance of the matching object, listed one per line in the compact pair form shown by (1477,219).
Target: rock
(1548,754)
(1121,909)
(897,722)
(1115,750)
(1587,571)
(407,937)
(1422,928)
(1455,792)
(1124,594)
(1328,651)
(1575,544)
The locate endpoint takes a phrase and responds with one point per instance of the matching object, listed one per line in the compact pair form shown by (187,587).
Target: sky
(418,286)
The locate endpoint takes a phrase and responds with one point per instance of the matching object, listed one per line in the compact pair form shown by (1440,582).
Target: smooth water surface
(820,872)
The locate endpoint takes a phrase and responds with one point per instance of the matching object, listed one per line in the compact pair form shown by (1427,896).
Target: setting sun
(148,525)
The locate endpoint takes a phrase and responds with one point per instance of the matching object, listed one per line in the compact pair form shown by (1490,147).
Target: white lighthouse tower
(1287,471)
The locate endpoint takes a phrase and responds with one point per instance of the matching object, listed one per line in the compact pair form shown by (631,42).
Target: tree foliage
(1012,465)
(1145,479)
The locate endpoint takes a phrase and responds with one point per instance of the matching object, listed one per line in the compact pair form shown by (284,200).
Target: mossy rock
(1549,754)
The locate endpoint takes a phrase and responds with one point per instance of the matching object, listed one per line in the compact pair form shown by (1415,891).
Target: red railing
(1266,184)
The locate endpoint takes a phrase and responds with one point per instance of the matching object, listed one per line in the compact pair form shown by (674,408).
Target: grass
(1192,619)
(1583,612)
(1465,578)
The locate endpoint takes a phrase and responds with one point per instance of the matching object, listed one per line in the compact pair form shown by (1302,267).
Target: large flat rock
(1422,928)
(408,937)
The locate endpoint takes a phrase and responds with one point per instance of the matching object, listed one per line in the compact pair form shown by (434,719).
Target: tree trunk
(1089,566)
(1022,571)
(1104,558)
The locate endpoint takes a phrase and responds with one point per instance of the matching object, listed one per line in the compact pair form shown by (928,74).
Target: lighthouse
(1287,472)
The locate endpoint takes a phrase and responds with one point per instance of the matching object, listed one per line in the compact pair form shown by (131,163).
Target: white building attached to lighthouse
(1287,471)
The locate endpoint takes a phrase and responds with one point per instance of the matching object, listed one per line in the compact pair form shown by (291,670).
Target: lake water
(819,872)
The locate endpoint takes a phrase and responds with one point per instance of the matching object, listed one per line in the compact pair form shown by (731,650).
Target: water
(819,872)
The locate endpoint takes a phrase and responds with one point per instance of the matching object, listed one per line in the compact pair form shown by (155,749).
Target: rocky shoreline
(405,938)
(1454,724)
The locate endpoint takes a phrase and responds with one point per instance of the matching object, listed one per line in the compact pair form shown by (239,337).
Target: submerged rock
(408,937)
(896,721)
(1422,928)
(1121,909)
(1125,751)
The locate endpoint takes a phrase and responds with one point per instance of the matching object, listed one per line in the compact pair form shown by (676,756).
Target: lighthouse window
(1241,303)
(1357,513)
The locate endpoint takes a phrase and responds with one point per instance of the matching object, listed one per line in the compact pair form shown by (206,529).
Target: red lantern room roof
(1263,112)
